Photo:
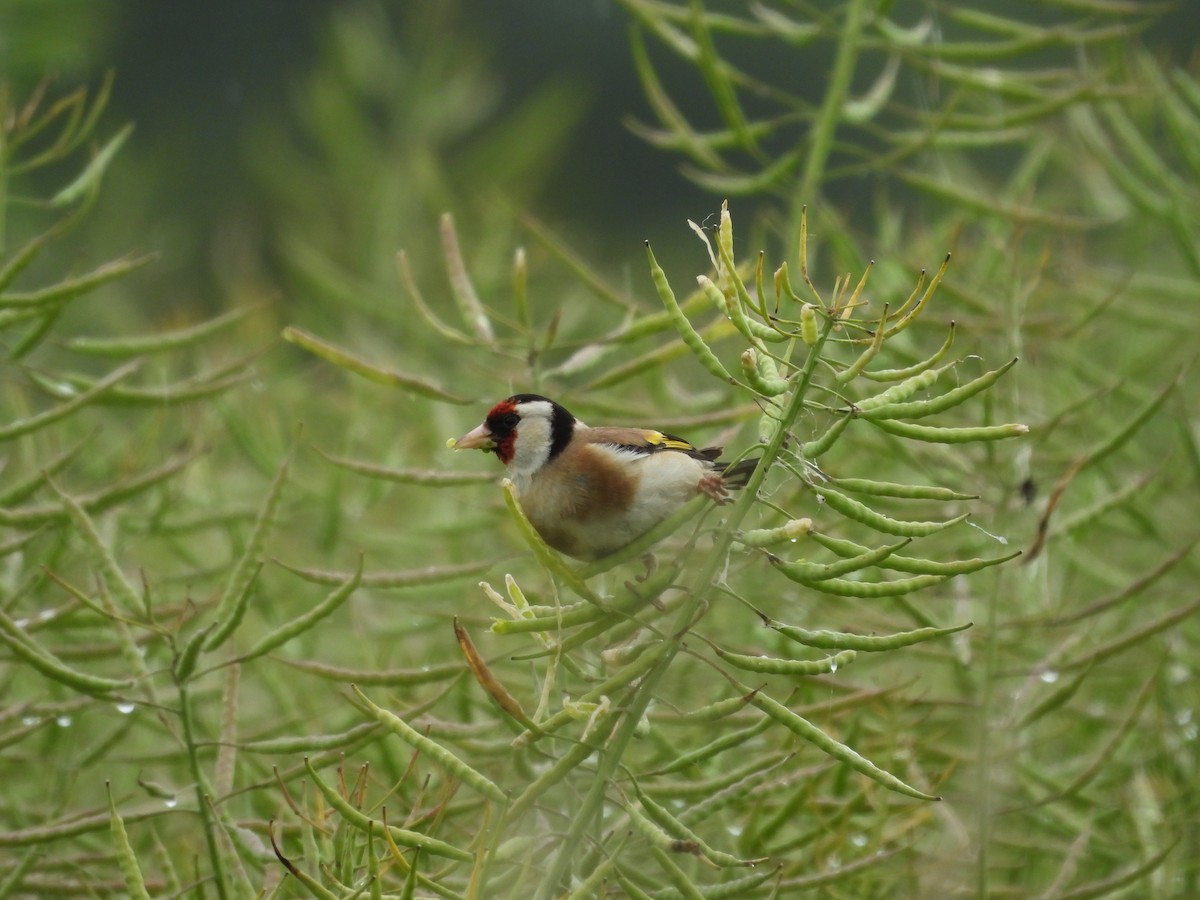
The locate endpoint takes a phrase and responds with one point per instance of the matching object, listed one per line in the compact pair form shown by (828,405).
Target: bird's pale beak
(479,438)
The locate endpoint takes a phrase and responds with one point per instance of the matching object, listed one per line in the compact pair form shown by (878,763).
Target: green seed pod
(873,590)
(815,736)
(902,491)
(727,740)
(833,640)
(912,314)
(664,819)
(316,743)
(783,284)
(690,337)
(364,823)
(648,829)
(725,249)
(760,308)
(768,369)
(860,512)
(751,329)
(808,572)
(770,665)
(768,537)
(470,307)
(520,289)
(515,594)
(770,421)
(739,300)
(185,660)
(432,750)
(909,371)
(849,373)
(814,448)
(50,665)
(307,620)
(47,299)
(914,565)
(397,677)
(898,392)
(160,342)
(359,366)
(713,712)
(580,614)
(809,333)
(39,420)
(676,877)
(235,597)
(936,434)
(762,374)
(919,408)
(120,586)
(87,182)
(126,858)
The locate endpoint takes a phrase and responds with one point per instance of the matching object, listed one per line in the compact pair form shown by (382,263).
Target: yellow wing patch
(668,442)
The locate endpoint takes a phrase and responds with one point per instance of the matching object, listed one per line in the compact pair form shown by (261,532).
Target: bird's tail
(736,475)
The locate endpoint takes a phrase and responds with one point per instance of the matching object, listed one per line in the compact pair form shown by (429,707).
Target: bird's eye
(509,421)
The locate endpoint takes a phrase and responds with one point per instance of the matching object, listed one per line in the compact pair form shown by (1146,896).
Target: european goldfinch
(591,491)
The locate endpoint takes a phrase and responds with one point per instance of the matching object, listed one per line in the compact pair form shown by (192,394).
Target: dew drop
(21,623)
(46,615)
(859,840)
(832,668)
(1049,676)
(126,708)
(30,720)
(63,721)
(170,803)
(735,829)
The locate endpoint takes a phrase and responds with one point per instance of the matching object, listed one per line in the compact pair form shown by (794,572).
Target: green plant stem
(986,700)
(4,112)
(202,805)
(640,696)
(610,759)
(823,129)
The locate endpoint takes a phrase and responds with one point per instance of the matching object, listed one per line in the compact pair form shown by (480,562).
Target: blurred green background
(227,97)
(224,93)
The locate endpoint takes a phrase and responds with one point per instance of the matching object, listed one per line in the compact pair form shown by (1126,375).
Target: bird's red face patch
(502,422)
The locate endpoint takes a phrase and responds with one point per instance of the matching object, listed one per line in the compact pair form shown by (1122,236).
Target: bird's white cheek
(531,449)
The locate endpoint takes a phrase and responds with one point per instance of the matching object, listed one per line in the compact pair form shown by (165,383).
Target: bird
(587,491)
